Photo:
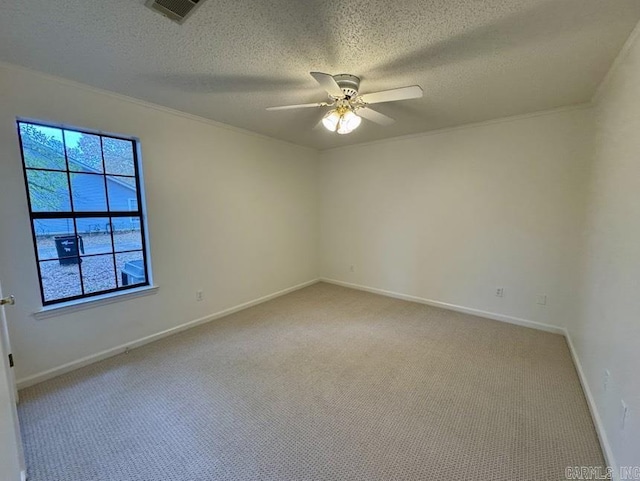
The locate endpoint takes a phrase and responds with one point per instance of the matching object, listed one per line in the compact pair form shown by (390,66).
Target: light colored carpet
(325,383)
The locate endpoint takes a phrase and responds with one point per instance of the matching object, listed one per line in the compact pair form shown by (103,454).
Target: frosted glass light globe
(330,121)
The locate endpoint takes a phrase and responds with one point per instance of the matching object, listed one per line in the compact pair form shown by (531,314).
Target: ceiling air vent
(176,10)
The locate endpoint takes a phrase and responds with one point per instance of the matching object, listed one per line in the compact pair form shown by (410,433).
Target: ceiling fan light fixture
(342,120)
(348,122)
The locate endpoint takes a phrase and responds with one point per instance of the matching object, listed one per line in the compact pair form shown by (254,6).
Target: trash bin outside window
(69,248)
(133,273)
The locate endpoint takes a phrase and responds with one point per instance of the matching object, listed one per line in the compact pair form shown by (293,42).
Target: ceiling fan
(348,106)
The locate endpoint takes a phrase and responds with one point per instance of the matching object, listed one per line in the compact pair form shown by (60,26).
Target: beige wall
(451,216)
(247,203)
(608,334)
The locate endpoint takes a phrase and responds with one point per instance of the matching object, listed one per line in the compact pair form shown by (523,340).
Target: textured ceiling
(475,59)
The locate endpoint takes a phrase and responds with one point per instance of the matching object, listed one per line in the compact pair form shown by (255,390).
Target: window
(86,211)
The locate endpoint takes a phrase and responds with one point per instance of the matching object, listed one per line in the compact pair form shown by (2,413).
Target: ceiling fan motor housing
(348,83)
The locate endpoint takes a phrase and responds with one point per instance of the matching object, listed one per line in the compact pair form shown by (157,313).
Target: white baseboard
(595,415)
(73,365)
(452,307)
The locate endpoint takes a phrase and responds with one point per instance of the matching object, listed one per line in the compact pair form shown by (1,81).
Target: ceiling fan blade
(403,93)
(374,116)
(298,106)
(328,83)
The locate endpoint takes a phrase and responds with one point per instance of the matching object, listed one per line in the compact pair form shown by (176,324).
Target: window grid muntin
(106,192)
(108,214)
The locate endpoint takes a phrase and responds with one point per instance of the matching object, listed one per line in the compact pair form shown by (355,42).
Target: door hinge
(10,301)
(10,360)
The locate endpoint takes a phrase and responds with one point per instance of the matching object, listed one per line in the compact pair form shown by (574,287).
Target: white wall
(608,334)
(231,213)
(449,216)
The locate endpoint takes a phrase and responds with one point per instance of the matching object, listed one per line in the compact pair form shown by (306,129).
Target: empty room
(319,240)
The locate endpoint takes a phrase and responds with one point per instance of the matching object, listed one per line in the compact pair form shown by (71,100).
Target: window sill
(81,304)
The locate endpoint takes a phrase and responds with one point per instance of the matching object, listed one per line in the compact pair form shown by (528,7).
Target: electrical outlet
(499,291)
(625,413)
(605,380)
(199,296)
(541,299)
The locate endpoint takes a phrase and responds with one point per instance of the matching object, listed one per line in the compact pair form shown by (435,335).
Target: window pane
(88,192)
(47,230)
(98,274)
(96,235)
(118,156)
(123,194)
(130,268)
(48,191)
(42,147)
(83,152)
(126,233)
(59,280)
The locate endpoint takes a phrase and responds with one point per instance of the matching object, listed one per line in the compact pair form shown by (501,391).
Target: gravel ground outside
(98,274)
